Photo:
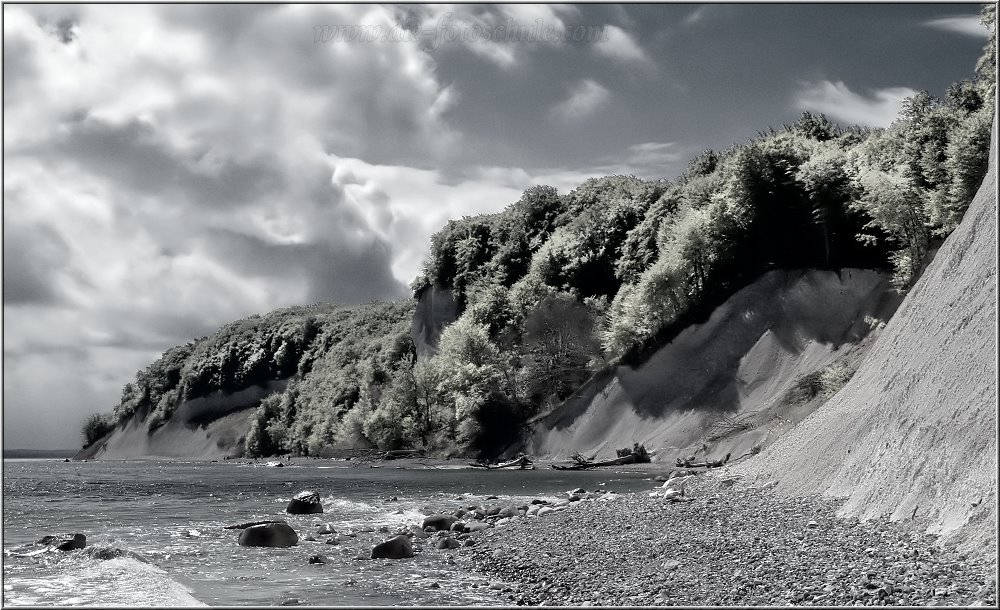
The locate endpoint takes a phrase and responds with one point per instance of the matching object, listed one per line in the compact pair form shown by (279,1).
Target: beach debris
(636,455)
(689,462)
(243,526)
(522,462)
(304,503)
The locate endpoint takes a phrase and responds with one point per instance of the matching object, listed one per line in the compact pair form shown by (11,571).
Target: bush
(96,427)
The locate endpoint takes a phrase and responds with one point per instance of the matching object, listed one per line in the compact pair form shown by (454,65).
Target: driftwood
(689,462)
(636,455)
(520,463)
(396,454)
(243,526)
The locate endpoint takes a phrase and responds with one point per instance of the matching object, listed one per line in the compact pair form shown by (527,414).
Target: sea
(155,531)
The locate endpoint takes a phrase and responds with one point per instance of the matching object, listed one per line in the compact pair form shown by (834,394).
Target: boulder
(276,534)
(507,512)
(393,548)
(458,526)
(304,503)
(64,542)
(447,543)
(477,526)
(545,510)
(440,521)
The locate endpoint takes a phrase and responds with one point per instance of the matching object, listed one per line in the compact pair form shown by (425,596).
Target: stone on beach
(394,548)
(304,503)
(439,521)
(275,534)
(64,542)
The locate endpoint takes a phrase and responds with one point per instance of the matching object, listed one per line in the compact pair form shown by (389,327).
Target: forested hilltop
(558,286)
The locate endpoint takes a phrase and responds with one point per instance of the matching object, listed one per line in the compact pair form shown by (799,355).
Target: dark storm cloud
(133,156)
(334,271)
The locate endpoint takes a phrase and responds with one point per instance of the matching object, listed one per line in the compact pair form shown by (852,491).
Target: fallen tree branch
(689,462)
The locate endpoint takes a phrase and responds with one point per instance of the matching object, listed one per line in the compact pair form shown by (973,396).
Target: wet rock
(317,559)
(439,521)
(304,503)
(394,548)
(326,528)
(447,543)
(275,534)
(64,542)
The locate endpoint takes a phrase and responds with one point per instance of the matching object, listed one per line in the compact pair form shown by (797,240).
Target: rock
(317,559)
(275,534)
(470,541)
(64,542)
(434,585)
(440,521)
(333,540)
(309,538)
(492,498)
(574,498)
(304,503)
(476,526)
(812,525)
(671,564)
(545,510)
(417,531)
(507,512)
(537,501)
(326,528)
(579,490)
(394,548)
(493,510)
(447,543)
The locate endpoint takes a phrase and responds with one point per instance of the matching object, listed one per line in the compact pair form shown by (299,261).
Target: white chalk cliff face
(914,433)
(740,363)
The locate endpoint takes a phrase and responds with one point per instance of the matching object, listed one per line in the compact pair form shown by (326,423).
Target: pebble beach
(727,545)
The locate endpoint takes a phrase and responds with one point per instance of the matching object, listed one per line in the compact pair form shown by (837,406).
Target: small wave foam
(103,575)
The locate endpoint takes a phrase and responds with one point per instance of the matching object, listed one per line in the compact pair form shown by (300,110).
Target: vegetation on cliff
(556,286)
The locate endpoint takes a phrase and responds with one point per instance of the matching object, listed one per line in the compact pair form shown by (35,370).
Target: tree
(559,345)
(95,427)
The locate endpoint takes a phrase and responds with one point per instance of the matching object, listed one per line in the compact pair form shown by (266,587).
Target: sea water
(155,531)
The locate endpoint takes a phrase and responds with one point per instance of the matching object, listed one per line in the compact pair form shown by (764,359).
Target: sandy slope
(740,362)
(914,432)
(209,427)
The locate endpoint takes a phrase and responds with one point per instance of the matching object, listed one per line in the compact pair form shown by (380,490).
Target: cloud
(585,98)
(836,100)
(619,45)
(969,25)
(170,169)
(501,34)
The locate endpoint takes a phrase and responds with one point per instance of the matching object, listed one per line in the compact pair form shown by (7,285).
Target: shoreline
(730,545)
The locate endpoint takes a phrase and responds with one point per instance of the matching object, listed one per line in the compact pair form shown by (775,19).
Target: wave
(99,575)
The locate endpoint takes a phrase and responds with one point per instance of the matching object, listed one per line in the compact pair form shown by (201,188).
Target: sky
(171,168)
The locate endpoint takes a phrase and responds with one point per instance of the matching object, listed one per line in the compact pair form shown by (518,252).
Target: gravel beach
(729,545)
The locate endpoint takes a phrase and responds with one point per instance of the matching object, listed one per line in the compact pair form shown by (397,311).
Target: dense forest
(557,286)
